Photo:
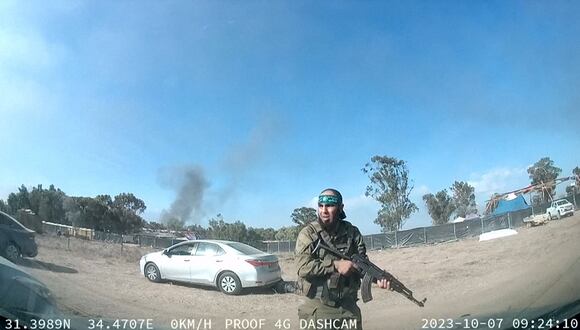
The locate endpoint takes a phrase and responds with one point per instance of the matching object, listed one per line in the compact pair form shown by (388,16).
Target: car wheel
(229,283)
(152,273)
(12,252)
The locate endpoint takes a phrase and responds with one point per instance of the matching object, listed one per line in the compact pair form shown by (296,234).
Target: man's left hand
(384,284)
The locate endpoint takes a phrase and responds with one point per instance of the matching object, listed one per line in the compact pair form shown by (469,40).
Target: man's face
(328,213)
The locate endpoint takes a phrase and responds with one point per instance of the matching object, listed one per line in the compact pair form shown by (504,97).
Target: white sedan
(230,266)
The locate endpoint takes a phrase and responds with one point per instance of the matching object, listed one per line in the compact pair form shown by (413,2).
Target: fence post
(482,226)
(509,220)
(396,240)
(455,230)
(425,234)
(68,243)
(278,246)
(122,241)
(372,245)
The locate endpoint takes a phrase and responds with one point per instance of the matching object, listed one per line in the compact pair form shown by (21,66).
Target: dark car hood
(19,291)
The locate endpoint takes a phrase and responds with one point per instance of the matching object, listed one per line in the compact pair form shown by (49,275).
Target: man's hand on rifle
(384,284)
(344,267)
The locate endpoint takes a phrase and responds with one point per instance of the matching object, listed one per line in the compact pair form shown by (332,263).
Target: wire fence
(396,239)
(143,240)
(441,233)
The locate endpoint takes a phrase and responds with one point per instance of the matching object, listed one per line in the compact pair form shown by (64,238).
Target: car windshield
(10,221)
(244,249)
(138,138)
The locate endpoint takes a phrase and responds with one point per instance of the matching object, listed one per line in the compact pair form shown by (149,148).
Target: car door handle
(185,259)
(218,260)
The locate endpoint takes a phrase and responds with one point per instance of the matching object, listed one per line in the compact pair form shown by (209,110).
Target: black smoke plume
(190,184)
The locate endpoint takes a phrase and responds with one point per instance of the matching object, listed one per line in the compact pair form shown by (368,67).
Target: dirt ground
(512,277)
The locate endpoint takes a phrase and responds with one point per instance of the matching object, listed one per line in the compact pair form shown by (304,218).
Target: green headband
(329,200)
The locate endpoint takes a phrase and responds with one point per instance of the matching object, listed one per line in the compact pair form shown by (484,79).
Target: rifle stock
(370,273)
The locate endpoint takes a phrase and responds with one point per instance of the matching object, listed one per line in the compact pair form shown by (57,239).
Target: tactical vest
(334,289)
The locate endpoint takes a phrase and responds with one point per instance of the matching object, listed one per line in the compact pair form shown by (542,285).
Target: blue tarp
(504,206)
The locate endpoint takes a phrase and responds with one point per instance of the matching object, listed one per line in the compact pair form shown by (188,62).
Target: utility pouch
(306,288)
(332,290)
(327,297)
(333,281)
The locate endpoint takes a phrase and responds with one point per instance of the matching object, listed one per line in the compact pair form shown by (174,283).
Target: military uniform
(329,294)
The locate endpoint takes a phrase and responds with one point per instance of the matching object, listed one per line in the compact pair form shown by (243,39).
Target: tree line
(121,214)
(219,228)
(389,185)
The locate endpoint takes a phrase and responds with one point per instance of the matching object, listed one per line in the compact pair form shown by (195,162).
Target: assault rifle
(370,273)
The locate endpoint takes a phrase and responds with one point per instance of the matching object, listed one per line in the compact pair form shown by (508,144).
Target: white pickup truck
(560,208)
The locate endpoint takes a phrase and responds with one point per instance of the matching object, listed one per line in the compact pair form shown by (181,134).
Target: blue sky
(273,101)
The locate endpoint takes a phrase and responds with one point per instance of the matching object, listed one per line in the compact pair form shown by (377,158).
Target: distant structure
(494,202)
(66,230)
(30,219)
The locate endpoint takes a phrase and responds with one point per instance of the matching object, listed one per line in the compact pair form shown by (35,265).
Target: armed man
(330,283)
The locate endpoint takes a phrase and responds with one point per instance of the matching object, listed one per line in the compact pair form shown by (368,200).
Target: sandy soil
(512,277)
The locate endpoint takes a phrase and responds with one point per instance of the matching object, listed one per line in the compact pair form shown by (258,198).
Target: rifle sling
(326,239)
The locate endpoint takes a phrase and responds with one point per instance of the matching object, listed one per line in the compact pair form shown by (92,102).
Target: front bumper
(30,250)
(568,212)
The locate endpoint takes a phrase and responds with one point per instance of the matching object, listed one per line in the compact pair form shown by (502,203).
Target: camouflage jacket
(317,272)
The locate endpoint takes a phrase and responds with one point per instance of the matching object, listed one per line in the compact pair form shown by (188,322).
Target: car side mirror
(167,253)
